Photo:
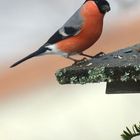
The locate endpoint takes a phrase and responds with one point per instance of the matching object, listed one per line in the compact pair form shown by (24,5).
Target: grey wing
(70,28)
(73,25)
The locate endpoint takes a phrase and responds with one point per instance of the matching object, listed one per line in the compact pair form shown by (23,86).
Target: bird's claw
(79,62)
(99,55)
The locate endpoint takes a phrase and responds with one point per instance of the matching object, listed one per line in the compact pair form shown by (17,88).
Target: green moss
(125,77)
(137,67)
(83,80)
(97,74)
(59,76)
(74,80)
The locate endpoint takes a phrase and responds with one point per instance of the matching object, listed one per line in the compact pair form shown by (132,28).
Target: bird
(79,32)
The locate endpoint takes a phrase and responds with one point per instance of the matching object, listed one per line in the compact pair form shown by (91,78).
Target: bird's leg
(95,56)
(77,61)
(83,54)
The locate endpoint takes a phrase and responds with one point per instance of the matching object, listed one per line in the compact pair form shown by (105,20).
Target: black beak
(107,8)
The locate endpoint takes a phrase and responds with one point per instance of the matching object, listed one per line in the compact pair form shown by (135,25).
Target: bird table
(120,69)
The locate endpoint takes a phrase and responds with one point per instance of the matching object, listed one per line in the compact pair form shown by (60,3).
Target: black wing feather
(55,38)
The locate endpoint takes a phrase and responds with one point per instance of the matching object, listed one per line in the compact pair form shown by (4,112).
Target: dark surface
(123,87)
(121,67)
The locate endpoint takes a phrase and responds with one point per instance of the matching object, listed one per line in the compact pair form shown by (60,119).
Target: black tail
(36,53)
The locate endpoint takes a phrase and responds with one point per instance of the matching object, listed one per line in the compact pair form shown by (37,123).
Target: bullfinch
(79,33)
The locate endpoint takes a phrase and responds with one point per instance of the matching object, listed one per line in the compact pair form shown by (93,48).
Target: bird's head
(103,5)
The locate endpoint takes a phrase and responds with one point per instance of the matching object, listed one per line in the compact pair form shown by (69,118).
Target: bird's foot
(100,54)
(79,62)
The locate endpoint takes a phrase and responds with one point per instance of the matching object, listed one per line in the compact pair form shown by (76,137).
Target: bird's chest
(91,31)
(93,20)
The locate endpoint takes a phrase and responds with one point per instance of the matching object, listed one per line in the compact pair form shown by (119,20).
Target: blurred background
(32,104)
